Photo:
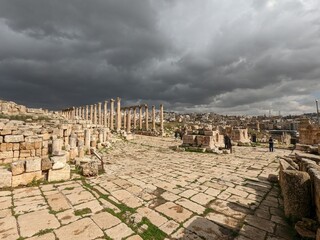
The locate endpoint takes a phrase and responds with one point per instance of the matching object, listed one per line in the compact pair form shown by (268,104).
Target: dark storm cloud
(243,56)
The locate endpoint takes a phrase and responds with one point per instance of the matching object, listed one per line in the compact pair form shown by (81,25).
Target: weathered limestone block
(296,190)
(5,178)
(9,146)
(6,154)
(90,169)
(306,164)
(189,139)
(45,136)
(16,146)
(25,153)
(33,165)
(44,152)
(1,139)
(3,147)
(58,165)
(27,133)
(57,146)
(46,164)
(16,154)
(81,152)
(315,175)
(38,145)
(13,138)
(6,132)
(60,158)
(61,174)
(73,141)
(18,167)
(205,141)
(73,153)
(25,178)
(208,133)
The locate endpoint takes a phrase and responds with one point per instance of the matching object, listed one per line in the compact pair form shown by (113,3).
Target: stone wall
(11,108)
(309,133)
(42,150)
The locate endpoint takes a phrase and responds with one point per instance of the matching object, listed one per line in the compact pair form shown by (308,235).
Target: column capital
(111,100)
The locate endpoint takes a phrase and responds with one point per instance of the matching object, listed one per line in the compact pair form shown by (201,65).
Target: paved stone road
(148,188)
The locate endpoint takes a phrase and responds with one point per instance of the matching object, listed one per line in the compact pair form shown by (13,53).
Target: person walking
(270,144)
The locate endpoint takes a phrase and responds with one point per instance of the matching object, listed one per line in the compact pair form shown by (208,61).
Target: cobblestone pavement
(152,192)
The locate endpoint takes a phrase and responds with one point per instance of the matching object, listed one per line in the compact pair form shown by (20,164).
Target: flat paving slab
(184,195)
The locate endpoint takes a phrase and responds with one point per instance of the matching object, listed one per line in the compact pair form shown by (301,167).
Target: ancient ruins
(107,171)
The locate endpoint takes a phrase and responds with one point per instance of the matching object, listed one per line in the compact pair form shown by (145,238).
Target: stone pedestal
(57,146)
(59,175)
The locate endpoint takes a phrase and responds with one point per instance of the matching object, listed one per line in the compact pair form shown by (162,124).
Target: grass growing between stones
(152,233)
(44,231)
(82,212)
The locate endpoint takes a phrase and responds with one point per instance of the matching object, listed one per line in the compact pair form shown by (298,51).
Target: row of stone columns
(108,118)
(129,122)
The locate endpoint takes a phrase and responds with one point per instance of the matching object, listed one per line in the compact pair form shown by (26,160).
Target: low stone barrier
(299,179)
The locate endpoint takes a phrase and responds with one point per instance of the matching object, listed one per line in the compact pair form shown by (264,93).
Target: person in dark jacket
(226,141)
(270,144)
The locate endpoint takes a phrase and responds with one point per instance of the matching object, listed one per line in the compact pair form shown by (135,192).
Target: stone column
(161,120)
(91,114)
(146,114)
(129,121)
(134,117)
(73,113)
(99,113)
(83,116)
(111,114)
(87,112)
(124,118)
(95,114)
(118,114)
(153,118)
(140,117)
(87,138)
(105,113)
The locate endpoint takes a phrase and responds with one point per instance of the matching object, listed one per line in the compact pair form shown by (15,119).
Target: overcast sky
(229,57)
